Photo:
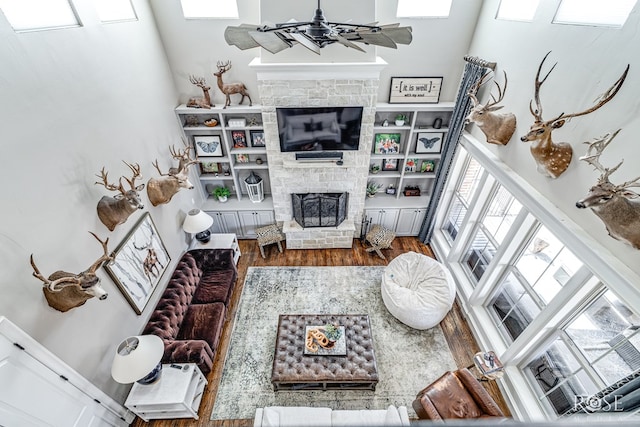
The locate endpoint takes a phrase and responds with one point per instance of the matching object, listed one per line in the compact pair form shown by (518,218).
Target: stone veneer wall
(288,176)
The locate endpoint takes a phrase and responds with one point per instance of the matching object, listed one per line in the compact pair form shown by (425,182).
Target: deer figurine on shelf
(200,102)
(115,210)
(498,128)
(161,190)
(64,291)
(616,205)
(230,88)
(553,158)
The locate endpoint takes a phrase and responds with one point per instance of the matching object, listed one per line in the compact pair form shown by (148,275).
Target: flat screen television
(319,128)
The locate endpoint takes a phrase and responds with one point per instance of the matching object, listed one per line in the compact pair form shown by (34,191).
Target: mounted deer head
(616,205)
(200,102)
(553,158)
(232,88)
(161,190)
(498,128)
(115,210)
(65,291)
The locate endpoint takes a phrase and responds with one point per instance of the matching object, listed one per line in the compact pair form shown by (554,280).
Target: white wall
(589,60)
(75,100)
(194,46)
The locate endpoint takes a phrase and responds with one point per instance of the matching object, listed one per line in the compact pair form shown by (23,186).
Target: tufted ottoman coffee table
(293,370)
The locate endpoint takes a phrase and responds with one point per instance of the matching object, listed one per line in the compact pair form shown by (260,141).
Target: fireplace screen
(320,209)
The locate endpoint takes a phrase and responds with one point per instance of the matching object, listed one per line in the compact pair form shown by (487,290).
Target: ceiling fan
(316,34)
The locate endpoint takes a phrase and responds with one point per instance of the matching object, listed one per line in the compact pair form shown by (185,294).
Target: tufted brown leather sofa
(190,314)
(456,394)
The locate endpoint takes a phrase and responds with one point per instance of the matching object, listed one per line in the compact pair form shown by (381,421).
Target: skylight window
(115,10)
(29,15)
(202,9)
(612,13)
(423,9)
(517,10)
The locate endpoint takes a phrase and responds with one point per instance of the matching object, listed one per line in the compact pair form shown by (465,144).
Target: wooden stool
(379,238)
(269,234)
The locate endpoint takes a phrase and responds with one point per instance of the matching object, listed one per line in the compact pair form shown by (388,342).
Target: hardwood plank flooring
(457,332)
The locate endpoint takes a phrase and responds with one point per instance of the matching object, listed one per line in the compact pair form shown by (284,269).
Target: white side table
(177,394)
(219,241)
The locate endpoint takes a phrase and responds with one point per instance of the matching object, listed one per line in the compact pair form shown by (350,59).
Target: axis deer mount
(115,210)
(64,291)
(230,88)
(497,127)
(616,205)
(553,158)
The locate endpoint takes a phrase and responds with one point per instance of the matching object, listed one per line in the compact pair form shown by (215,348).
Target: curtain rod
(479,61)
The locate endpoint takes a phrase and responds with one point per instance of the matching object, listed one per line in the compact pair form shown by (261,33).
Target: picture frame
(389,164)
(257,138)
(207,167)
(429,142)
(387,143)
(242,158)
(239,138)
(428,166)
(208,146)
(139,263)
(421,90)
(390,190)
(411,165)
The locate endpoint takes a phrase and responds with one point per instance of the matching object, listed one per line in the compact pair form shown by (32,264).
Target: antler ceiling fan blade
(304,41)
(402,35)
(239,36)
(378,39)
(343,41)
(271,40)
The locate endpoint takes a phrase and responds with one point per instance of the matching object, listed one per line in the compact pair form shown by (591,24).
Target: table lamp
(198,222)
(138,359)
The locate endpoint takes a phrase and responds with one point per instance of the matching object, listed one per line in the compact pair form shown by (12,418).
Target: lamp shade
(136,357)
(197,221)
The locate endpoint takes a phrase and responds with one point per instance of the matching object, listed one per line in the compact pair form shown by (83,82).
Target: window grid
(465,189)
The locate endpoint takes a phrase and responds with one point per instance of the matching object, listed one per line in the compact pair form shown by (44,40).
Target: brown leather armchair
(456,394)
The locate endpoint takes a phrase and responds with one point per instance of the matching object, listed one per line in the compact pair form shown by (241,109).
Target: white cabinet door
(384,217)
(225,222)
(409,222)
(250,220)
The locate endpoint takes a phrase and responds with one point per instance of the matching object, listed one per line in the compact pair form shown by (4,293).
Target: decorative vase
(399,122)
(222,199)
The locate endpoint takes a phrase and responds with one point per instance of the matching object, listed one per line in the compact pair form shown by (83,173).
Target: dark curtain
(474,70)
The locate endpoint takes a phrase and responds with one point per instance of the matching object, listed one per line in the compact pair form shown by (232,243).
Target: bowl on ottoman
(417,290)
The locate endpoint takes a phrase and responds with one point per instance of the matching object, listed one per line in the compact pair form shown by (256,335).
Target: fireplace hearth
(319,209)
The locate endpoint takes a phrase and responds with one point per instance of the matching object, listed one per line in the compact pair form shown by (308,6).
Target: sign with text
(415,90)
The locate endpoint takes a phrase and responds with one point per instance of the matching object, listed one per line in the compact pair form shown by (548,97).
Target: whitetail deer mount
(115,210)
(616,205)
(161,190)
(64,291)
(553,158)
(200,102)
(497,127)
(230,88)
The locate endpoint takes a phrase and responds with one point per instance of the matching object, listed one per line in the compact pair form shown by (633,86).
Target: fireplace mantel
(322,70)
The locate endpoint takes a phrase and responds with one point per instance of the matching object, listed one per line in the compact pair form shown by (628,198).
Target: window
(517,10)
(50,14)
(594,12)
(462,195)
(423,9)
(115,10)
(198,9)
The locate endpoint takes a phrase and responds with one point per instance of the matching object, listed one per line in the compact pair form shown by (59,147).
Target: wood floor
(461,342)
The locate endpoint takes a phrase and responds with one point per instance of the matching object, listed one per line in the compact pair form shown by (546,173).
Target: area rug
(408,360)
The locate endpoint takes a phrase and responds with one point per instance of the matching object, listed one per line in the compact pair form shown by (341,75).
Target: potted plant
(372,188)
(222,193)
(375,168)
(400,119)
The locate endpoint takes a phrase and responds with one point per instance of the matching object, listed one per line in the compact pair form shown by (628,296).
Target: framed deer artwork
(138,263)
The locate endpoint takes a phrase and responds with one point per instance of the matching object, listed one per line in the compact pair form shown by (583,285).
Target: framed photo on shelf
(389,164)
(239,139)
(429,142)
(257,138)
(387,143)
(422,90)
(428,166)
(209,167)
(411,165)
(208,146)
(242,158)
(139,263)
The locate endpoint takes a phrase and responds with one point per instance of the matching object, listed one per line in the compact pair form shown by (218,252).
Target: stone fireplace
(318,85)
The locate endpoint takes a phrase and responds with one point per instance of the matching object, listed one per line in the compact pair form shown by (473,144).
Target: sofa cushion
(203,322)
(291,416)
(215,286)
